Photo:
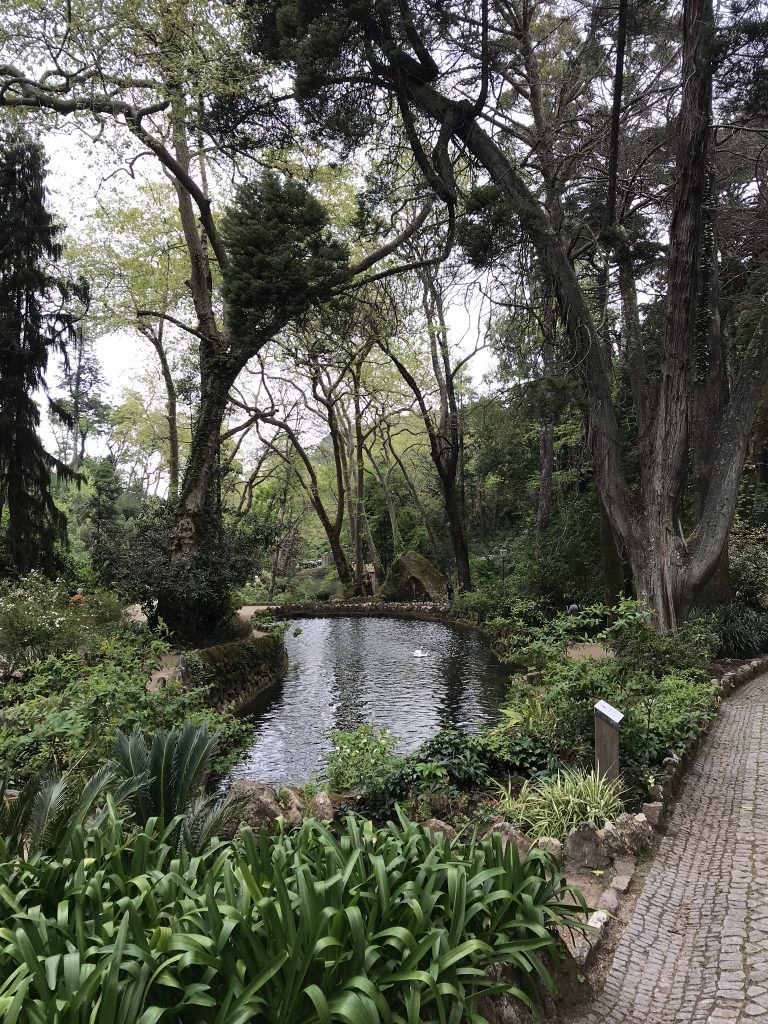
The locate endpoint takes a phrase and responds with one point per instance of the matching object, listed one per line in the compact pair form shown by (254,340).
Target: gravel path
(696,949)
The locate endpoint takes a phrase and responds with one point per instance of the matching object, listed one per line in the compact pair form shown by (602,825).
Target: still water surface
(346,671)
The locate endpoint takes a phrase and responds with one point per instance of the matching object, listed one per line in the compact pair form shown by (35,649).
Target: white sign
(610,714)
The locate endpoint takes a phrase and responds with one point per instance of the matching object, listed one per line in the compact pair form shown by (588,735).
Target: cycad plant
(162,779)
(175,766)
(46,813)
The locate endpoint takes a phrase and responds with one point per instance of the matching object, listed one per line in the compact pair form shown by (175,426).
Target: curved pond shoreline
(419,611)
(345,670)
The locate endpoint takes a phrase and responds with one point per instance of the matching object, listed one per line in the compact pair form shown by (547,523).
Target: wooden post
(607,721)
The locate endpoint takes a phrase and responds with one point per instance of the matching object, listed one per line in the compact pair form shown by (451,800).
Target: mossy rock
(412,577)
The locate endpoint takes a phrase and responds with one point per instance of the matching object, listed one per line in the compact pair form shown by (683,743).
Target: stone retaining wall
(243,669)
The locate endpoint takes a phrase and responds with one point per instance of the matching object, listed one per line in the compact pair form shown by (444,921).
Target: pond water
(346,671)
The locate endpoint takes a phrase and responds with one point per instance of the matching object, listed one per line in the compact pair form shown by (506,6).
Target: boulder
(321,807)
(510,833)
(654,813)
(551,845)
(586,848)
(413,577)
(629,834)
(503,1009)
(436,827)
(258,803)
(293,805)
(609,902)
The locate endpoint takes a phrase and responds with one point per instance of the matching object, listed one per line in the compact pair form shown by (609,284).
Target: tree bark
(546,470)
(669,568)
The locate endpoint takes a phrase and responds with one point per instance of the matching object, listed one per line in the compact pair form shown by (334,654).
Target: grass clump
(553,806)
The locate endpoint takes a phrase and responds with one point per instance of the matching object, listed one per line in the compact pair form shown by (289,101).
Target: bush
(428,780)
(641,647)
(359,756)
(661,715)
(64,713)
(742,631)
(36,623)
(748,560)
(161,781)
(460,755)
(553,806)
(319,925)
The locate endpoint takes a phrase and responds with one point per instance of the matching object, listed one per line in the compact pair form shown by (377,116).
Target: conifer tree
(33,324)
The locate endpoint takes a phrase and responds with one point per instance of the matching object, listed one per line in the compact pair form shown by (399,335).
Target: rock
(293,804)
(510,833)
(585,847)
(654,813)
(436,827)
(656,793)
(320,807)
(503,1009)
(621,883)
(552,846)
(413,577)
(259,806)
(628,834)
(609,901)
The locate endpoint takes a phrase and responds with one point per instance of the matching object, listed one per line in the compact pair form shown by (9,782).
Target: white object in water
(418,653)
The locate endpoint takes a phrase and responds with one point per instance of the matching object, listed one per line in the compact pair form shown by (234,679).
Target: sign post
(607,720)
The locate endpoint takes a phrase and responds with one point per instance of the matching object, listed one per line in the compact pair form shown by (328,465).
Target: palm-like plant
(45,815)
(174,766)
(163,779)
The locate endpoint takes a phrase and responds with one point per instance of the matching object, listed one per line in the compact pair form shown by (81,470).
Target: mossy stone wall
(242,669)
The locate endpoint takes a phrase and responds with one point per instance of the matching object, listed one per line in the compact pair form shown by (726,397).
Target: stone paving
(696,948)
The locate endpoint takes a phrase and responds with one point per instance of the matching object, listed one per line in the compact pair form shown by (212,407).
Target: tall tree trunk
(195,498)
(455,517)
(611,560)
(546,469)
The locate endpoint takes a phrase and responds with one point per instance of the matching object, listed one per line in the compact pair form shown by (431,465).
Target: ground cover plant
(428,781)
(81,675)
(322,924)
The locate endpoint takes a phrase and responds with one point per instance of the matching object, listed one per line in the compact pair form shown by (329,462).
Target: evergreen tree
(33,324)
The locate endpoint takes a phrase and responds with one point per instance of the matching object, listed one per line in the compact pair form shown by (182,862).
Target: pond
(346,671)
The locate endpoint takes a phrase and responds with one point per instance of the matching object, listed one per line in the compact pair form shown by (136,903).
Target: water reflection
(343,672)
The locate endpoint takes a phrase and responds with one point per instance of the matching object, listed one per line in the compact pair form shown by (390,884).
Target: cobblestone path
(696,949)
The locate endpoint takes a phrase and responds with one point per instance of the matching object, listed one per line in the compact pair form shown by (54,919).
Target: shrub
(346,924)
(748,560)
(661,715)
(460,755)
(523,741)
(359,756)
(161,781)
(428,780)
(36,623)
(553,806)
(632,636)
(742,631)
(64,713)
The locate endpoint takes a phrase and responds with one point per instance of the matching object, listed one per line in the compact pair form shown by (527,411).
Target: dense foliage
(346,923)
(80,676)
